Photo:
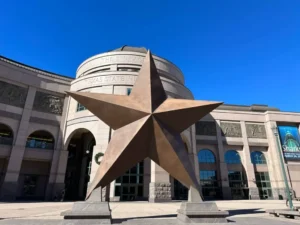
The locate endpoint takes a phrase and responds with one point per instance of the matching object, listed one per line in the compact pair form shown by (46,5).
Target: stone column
(275,173)
(194,195)
(160,186)
(112,197)
(59,145)
(253,190)
(147,177)
(226,190)
(98,148)
(52,175)
(10,184)
(59,182)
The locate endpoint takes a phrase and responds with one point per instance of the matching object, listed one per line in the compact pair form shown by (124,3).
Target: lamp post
(287,189)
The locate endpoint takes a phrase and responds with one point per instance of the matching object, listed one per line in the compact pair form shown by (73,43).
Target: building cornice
(36,70)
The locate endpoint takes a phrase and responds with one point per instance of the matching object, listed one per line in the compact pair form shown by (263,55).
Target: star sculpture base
(92,211)
(203,212)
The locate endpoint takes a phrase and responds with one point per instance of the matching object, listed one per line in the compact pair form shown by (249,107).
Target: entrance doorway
(129,187)
(264,185)
(180,191)
(238,185)
(79,165)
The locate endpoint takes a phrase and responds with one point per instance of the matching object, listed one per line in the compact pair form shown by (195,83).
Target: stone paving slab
(173,221)
(49,212)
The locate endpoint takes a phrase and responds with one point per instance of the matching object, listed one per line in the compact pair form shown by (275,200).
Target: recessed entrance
(79,165)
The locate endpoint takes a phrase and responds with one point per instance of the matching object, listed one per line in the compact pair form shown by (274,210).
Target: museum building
(51,146)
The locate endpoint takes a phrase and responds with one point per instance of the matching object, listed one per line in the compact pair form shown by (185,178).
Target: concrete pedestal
(200,212)
(92,211)
(88,213)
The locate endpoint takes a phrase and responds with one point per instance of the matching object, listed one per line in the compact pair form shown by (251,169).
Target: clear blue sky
(239,52)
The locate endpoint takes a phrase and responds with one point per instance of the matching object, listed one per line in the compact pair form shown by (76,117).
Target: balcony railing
(6,140)
(39,144)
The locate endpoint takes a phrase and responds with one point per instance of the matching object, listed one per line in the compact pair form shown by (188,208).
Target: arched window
(206,156)
(40,139)
(258,158)
(232,157)
(6,135)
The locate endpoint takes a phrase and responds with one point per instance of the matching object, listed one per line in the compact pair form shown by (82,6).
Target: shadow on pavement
(144,217)
(234,212)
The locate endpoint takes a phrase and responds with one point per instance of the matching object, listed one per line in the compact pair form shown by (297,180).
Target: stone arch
(258,157)
(80,145)
(232,157)
(75,130)
(6,134)
(206,156)
(40,139)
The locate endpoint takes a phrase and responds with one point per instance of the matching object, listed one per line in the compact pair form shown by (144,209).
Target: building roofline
(252,108)
(34,69)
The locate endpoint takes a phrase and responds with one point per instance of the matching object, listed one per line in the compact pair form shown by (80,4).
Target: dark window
(40,139)
(264,185)
(80,107)
(206,156)
(130,185)
(29,186)
(237,185)
(128,91)
(128,69)
(232,157)
(258,158)
(210,185)
(6,135)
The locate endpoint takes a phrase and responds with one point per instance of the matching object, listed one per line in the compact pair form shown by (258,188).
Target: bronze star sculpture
(147,124)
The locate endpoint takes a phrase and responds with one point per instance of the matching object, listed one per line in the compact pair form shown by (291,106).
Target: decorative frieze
(12,94)
(48,103)
(256,131)
(231,129)
(206,128)
(127,59)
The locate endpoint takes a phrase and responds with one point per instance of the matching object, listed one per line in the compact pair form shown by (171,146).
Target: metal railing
(6,140)
(39,144)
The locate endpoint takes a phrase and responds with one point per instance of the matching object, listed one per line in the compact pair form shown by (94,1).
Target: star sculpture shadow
(147,124)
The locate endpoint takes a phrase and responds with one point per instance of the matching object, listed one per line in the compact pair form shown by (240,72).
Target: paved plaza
(241,212)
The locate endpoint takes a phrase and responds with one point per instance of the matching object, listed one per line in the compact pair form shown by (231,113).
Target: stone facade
(33,100)
(160,192)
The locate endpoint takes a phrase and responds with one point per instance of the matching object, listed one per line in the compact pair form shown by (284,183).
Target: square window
(132,190)
(117,190)
(133,179)
(125,189)
(140,191)
(118,180)
(141,170)
(125,179)
(133,170)
(141,180)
